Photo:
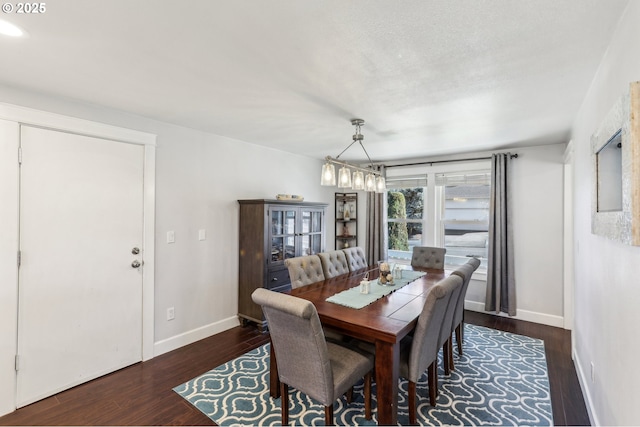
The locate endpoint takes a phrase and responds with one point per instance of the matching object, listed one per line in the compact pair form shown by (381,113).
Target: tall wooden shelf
(346,205)
(270,232)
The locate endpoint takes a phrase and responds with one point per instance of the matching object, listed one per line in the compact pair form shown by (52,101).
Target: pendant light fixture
(352,176)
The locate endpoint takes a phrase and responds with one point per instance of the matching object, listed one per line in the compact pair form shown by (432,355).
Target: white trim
(46,119)
(149,255)
(194,335)
(63,123)
(582,379)
(568,256)
(526,315)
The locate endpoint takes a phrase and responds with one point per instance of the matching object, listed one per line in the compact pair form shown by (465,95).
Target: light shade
(358,180)
(381,185)
(328,174)
(344,177)
(370,182)
(11,30)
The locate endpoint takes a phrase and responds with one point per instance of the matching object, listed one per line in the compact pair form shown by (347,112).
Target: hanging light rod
(374,181)
(350,165)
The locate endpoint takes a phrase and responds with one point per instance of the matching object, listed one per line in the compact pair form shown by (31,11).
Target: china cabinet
(346,220)
(271,231)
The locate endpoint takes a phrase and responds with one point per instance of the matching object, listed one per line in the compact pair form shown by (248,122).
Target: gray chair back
(356,258)
(464,271)
(425,345)
(428,257)
(474,262)
(445,330)
(304,270)
(298,339)
(320,369)
(334,263)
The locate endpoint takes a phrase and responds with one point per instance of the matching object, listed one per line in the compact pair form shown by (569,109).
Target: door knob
(135,264)
(135,251)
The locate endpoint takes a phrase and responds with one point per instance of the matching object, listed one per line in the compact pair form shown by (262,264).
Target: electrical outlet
(171,314)
(593,373)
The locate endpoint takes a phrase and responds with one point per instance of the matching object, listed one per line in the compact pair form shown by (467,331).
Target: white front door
(80,298)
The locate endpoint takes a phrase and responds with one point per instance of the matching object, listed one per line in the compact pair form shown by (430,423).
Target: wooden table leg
(387,373)
(274,381)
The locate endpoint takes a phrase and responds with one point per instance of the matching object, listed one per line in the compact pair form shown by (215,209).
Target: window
(447,209)
(465,219)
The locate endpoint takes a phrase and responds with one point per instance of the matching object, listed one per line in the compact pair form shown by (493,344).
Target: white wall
(199,177)
(537,194)
(606,273)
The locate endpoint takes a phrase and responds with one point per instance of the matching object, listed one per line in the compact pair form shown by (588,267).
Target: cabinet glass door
(311,232)
(283,234)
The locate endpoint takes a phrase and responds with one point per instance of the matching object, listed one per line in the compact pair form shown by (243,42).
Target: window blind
(466,178)
(407,181)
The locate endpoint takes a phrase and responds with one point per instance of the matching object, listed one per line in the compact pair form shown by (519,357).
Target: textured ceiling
(429,77)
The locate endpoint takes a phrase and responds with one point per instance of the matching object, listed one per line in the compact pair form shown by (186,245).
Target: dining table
(383,323)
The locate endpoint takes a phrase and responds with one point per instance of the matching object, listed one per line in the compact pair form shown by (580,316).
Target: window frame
(434,200)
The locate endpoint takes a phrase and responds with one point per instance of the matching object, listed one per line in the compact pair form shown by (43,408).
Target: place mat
(354,299)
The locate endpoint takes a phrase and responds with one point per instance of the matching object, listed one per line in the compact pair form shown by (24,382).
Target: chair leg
(411,392)
(450,343)
(445,357)
(349,395)
(459,337)
(432,376)
(284,403)
(328,415)
(367,396)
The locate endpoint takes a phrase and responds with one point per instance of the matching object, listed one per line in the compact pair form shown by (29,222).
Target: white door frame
(568,279)
(59,122)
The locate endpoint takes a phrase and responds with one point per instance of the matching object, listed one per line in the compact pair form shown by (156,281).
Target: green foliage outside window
(398,234)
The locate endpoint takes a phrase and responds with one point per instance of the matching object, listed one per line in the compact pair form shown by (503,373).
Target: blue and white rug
(500,380)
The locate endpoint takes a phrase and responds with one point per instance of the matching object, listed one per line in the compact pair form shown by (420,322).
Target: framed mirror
(615,148)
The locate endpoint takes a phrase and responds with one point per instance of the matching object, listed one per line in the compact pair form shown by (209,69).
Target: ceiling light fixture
(11,30)
(356,180)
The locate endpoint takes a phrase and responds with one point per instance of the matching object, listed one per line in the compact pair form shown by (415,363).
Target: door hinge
(17,363)
(19,155)
(19,258)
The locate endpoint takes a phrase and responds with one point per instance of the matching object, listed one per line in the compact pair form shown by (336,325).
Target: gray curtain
(376,237)
(501,285)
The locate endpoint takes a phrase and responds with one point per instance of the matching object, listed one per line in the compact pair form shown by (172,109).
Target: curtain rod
(513,156)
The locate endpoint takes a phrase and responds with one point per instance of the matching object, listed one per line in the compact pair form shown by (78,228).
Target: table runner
(354,299)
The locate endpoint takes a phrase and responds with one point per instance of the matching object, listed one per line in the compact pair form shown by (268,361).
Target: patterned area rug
(500,380)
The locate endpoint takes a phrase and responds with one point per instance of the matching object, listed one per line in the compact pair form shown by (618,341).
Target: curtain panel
(376,235)
(501,286)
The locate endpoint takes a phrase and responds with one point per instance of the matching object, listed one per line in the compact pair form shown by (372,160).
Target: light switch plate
(171,236)
(202,234)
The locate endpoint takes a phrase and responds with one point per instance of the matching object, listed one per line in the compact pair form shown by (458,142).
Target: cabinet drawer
(277,278)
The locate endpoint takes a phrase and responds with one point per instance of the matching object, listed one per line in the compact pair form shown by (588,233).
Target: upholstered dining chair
(334,263)
(356,258)
(445,332)
(465,271)
(419,352)
(428,257)
(318,368)
(304,270)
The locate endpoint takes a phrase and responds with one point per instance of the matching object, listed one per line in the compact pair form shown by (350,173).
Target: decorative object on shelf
(292,197)
(346,222)
(386,278)
(373,181)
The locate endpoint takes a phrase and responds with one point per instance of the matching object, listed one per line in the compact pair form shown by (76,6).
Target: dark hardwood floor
(142,394)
